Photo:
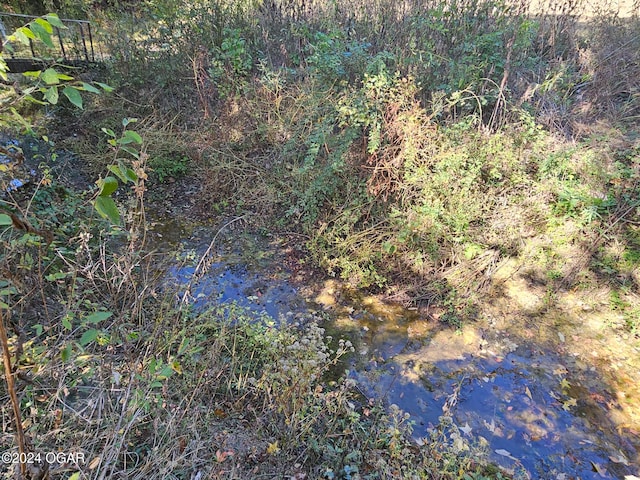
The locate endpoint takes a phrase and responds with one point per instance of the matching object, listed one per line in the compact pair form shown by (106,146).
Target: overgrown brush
(121,380)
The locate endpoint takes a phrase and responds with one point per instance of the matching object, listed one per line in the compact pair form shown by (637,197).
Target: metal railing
(73,45)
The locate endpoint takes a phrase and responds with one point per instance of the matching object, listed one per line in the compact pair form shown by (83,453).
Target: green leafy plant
(49,83)
(126,144)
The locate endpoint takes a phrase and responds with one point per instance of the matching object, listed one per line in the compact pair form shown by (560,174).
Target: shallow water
(539,412)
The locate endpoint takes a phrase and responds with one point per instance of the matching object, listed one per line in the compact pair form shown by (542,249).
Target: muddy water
(534,403)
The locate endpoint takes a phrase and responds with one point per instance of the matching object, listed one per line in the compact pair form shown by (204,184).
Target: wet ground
(530,387)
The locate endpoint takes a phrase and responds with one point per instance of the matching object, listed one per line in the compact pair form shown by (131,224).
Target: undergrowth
(414,150)
(414,146)
(127,379)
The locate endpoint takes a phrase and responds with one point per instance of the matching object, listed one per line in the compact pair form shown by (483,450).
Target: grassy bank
(416,147)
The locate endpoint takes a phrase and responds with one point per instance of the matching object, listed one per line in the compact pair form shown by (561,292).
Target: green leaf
(90,88)
(107,186)
(54,277)
(124,140)
(23,34)
(131,175)
(40,32)
(51,95)
(5,219)
(66,321)
(34,74)
(131,151)
(65,77)
(108,131)
(65,353)
(165,373)
(107,208)
(133,136)
(97,317)
(21,120)
(73,95)
(44,24)
(389,248)
(89,336)
(54,20)
(104,86)
(118,170)
(20,36)
(50,76)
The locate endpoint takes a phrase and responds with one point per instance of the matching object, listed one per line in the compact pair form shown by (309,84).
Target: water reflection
(517,396)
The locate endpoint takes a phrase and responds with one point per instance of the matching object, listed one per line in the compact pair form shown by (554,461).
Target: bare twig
(17,417)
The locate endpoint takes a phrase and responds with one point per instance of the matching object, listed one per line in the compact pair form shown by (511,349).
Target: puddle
(541,411)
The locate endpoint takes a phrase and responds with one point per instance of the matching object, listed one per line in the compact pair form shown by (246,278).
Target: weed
(166,168)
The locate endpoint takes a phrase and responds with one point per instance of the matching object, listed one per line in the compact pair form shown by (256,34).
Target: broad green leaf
(20,36)
(34,74)
(51,95)
(108,131)
(131,151)
(75,476)
(44,24)
(23,34)
(65,77)
(50,76)
(90,88)
(129,137)
(65,353)
(54,20)
(107,186)
(134,136)
(40,32)
(73,95)
(107,209)
(165,373)
(117,170)
(104,86)
(131,175)
(5,219)
(124,140)
(89,336)
(97,317)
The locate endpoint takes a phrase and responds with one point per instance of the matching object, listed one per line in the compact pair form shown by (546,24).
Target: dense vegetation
(413,145)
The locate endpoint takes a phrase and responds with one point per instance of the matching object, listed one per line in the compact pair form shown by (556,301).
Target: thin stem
(8,373)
